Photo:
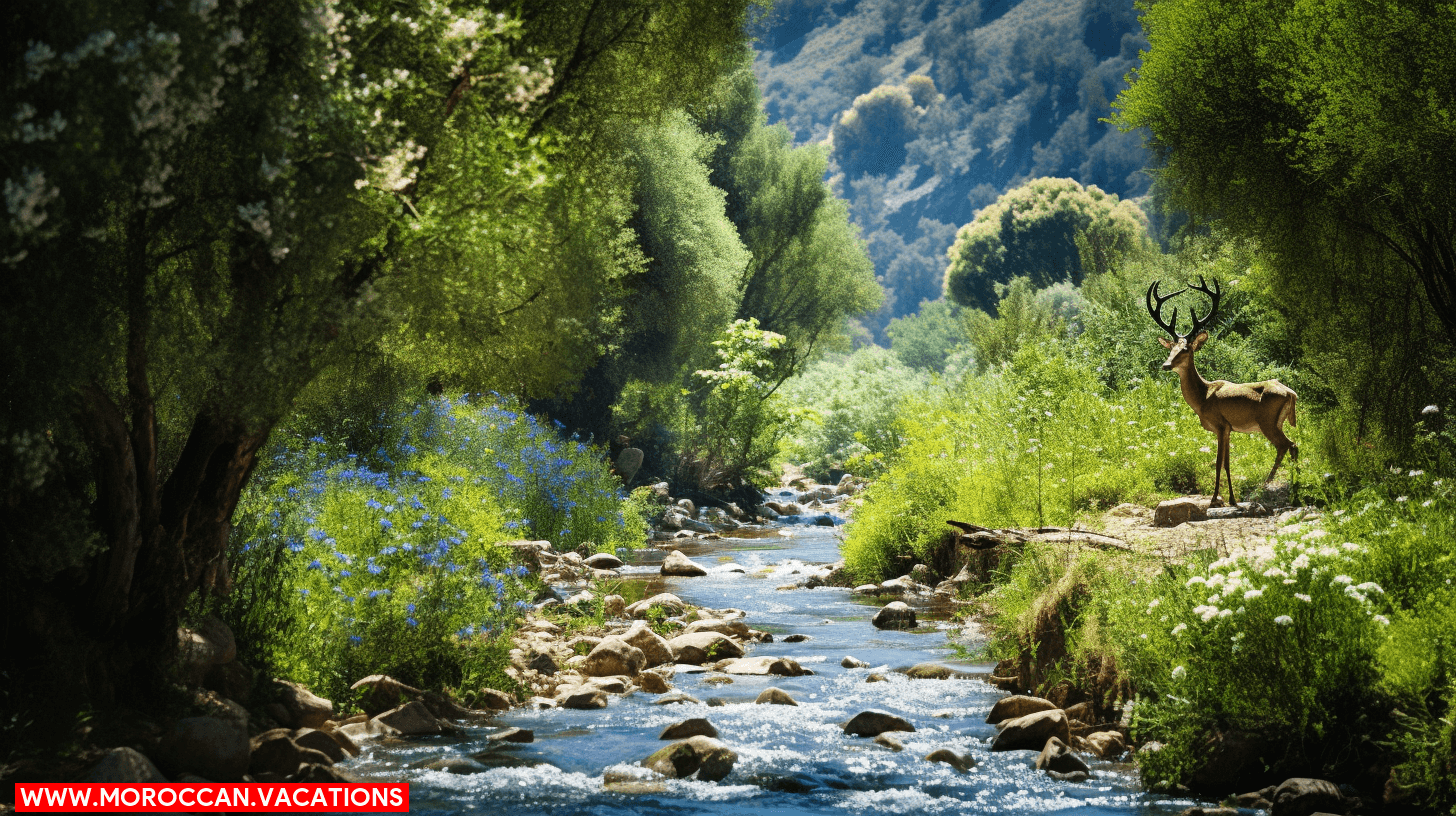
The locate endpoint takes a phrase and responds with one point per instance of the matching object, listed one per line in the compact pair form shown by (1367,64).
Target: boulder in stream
(614,656)
(704,647)
(672,603)
(873,723)
(654,647)
(710,759)
(410,719)
(1030,733)
(766,665)
(582,698)
(695,727)
(680,565)
(853,663)
(889,740)
(1017,705)
(959,760)
(774,696)
(1056,756)
(1106,744)
(894,615)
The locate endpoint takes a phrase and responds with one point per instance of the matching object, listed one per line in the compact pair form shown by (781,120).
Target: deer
(1224,407)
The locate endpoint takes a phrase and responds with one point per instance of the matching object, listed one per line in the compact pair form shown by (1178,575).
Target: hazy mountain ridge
(1019,89)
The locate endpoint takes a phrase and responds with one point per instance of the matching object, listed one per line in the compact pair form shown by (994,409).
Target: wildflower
(1154,603)
(1303,597)
(1415,473)
(1178,630)
(1197,579)
(355,639)
(1284,620)
(410,608)
(1430,409)
(1208,613)
(1342,579)
(1402,499)
(386,524)
(315,565)
(1224,613)
(1300,563)
(345,573)
(1382,620)
(1253,593)
(1179,672)
(1370,586)
(412,622)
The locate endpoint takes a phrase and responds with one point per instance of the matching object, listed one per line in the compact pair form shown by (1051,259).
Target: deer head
(1182,346)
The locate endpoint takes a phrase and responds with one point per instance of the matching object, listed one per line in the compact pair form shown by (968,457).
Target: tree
(211,203)
(1033,232)
(808,272)
(1324,130)
(925,339)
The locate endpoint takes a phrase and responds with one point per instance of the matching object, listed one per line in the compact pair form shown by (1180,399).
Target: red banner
(186,797)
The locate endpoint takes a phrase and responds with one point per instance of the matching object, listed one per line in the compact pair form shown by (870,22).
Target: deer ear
(1167,344)
(1198,341)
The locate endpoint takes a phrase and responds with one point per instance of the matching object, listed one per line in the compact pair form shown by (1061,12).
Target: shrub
(349,565)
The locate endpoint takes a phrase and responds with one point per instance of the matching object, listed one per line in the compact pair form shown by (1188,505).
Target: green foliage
(391,561)
(925,339)
(743,416)
(851,404)
(1033,232)
(1332,146)
(870,137)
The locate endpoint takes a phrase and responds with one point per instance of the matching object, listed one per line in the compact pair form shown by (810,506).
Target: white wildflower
(1430,409)
(1342,579)
(1382,620)
(1224,613)
(1179,672)
(1370,586)
(1402,499)
(1178,630)
(1253,594)
(1303,597)
(1197,579)
(1284,620)
(26,201)
(1415,473)
(1302,562)
(1154,604)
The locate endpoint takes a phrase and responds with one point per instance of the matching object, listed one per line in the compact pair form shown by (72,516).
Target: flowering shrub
(392,562)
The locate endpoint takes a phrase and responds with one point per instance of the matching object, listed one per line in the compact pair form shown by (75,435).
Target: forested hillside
(933,109)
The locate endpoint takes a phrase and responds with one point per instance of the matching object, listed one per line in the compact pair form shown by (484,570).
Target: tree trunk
(111,634)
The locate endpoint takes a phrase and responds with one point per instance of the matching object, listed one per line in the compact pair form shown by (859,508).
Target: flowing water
(791,760)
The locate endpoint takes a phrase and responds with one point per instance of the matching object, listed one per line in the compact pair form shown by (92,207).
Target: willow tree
(209,201)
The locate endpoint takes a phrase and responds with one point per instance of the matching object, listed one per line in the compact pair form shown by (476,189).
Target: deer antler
(1157,311)
(1213,295)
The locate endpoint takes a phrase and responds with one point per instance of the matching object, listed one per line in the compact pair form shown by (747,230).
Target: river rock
(894,615)
(614,606)
(678,564)
(209,747)
(876,677)
(959,760)
(932,671)
(1017,705)
(703,647)
(517,735)
(695,526)
(494,700)
(890,741)
(655,649)
(124,766)
(1056,756)
(611,685)
(652,683)
(209,643)
(732,628)
(774,696)
(582,698)
(1106,744)
(380,692)
(766,665)
(710,759)
(672,603)
(1174,512)
(1302,796)
(614,656)
(410,719)
(543,663)
(276,753)
(1031,732)
(676,697)
(313,739)
(695,727)
(303,708)
(603,561)
(853,663)
(873,723)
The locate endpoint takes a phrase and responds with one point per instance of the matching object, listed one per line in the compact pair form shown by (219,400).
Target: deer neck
(1195,388)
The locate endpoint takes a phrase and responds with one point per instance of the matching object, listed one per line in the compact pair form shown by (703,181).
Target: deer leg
(1283,445)
(1225,442)
(1217,473)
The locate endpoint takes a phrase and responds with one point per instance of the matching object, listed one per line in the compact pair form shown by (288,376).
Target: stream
(791,760)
